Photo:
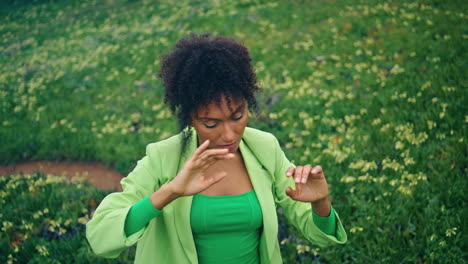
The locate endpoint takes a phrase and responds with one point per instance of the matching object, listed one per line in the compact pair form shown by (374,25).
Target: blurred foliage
(374,91)
(43,220)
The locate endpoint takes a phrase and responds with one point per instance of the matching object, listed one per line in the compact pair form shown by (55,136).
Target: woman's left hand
(311,185)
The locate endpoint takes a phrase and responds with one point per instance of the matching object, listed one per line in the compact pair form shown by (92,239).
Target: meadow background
(374,91)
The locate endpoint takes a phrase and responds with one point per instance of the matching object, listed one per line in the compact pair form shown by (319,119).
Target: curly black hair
(201,69)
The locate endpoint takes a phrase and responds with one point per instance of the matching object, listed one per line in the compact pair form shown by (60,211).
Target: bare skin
(236,180)
(216,167)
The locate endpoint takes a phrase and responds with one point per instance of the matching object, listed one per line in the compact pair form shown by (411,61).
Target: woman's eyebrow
(239,108)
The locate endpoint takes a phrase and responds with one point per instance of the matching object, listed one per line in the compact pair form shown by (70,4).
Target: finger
(223,156)
(207,162)
(317,171)
(298,188)
(290,172)
(298,174)
(305,173)
(201,148)
(290,192)
(213,156)
(213,152)
(206,155)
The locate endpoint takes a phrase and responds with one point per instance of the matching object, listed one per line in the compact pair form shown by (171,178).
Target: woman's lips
(230,146)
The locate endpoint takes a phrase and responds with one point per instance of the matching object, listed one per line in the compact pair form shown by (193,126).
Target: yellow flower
(431,124)
(348,179)
(363,165)
(451,232)
(302,249)
(42,250)
(376,121)
(6,225)
(397,69)
(356,229)
(399,145)
(83,220)
(425,86)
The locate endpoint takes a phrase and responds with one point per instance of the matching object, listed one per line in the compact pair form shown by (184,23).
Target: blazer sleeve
(105,231)
(299,213)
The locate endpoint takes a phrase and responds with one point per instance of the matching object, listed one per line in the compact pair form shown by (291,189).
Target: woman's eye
(237,117)
(208,125)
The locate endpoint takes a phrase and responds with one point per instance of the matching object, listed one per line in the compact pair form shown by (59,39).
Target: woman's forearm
(163,196)
(321,207)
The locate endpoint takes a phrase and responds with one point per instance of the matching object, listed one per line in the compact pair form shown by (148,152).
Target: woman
(209,194)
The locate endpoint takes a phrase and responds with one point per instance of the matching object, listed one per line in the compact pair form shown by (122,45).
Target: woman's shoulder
(260,141)
(257,134)
(172,144)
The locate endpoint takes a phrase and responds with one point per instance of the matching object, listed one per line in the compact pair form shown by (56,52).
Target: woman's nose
(229,135)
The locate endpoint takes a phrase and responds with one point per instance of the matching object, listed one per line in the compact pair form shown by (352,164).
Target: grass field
(374,91)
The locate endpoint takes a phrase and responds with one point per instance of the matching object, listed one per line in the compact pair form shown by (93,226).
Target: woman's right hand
(192,178)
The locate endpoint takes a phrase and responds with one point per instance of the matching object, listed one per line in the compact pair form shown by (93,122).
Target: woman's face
(221,124)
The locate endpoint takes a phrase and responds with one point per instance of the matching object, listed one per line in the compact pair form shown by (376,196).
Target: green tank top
(226,229)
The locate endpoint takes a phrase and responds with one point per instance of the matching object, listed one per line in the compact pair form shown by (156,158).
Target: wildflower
(376,121)
(426,85)
(83,220)
(363,165)
(301,249)
(366,177)
(6,225)
(431,124)
(405,189)
(42,250)
(450,232)
(11,259)
(348,179)
(409,161)
(392,164)
(399,145)
(62,231)
(356,229)
(397,69)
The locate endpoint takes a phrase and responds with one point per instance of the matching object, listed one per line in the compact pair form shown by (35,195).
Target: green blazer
(168,237)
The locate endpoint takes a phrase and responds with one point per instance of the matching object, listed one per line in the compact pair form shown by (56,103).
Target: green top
(226,229)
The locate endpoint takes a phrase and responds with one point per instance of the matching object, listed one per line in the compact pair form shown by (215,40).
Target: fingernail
(303,180)
(314,171)
(288,174)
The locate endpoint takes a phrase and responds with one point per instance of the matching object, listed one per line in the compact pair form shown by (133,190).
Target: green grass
(374,91)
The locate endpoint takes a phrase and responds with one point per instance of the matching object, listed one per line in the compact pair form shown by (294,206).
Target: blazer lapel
(182,207)
(262,183)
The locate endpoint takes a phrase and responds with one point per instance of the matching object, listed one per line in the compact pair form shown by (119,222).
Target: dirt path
(96,173)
